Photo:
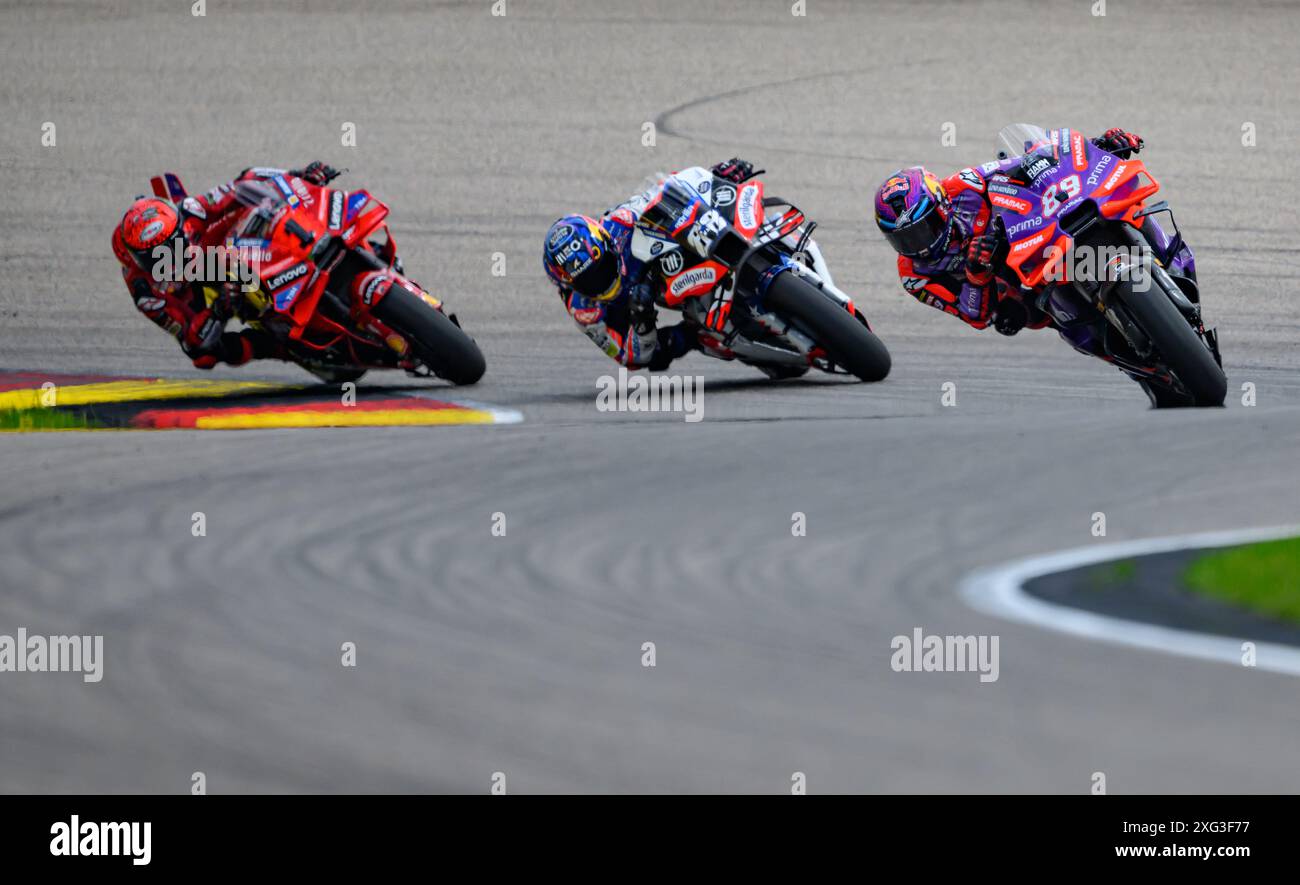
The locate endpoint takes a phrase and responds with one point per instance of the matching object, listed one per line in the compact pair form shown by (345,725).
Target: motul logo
(693,278)
(1030,243)
(1114,176)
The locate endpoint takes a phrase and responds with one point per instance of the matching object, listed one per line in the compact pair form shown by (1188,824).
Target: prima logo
(1025,226)
(1102,164)
(652,393)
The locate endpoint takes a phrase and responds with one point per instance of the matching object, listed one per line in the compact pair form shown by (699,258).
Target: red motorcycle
(332,288)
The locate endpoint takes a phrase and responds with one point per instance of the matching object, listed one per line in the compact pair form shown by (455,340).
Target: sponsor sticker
(671,263)
(371,289)
(286,276)
(559,235)
(896,185)
(692,279)
(1032,242)
(747,208)
(1005,202)
(1097,171)
(1037,168)
(1078,152)
(1025,226)
(285,297)
(337,199)
(724,196)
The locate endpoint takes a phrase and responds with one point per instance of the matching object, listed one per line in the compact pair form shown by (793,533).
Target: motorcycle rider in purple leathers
(948,253)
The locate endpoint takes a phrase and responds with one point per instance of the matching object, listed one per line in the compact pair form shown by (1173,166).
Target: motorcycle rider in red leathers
(195,318)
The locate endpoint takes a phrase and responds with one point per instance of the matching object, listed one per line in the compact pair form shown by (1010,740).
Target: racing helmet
(149,223)
(580,254)
(914,213)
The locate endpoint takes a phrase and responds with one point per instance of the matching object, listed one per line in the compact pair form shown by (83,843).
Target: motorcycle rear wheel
(439,343)
(1177,343)
(848,342)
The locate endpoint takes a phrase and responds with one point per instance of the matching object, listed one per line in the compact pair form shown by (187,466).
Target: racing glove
(641,307)
(673,341)
(736,170)
(979,258)
(1119,142)
(317,173)
(1010,316)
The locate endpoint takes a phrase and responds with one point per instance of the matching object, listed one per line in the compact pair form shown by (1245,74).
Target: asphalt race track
(522,654)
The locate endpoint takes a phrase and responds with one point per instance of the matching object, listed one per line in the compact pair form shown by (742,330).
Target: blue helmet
(580,254)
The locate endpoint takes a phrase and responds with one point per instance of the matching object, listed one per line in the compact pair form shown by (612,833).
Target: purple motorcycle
(1080,238)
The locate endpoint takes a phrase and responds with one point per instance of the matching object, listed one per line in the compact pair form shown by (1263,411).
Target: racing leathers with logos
(968,279)
(624,327)
(195,313)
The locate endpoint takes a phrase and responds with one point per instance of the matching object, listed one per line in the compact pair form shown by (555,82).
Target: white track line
(999,591)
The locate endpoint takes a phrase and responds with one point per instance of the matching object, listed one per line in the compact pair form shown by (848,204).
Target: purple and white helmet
(914,213)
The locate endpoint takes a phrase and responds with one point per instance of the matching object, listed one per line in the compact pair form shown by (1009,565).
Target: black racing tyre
(848,342)
(1163,397)
(1176,341)
(439,343)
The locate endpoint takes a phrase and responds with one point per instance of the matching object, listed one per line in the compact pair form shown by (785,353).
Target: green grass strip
(1263,578)
(21,420)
